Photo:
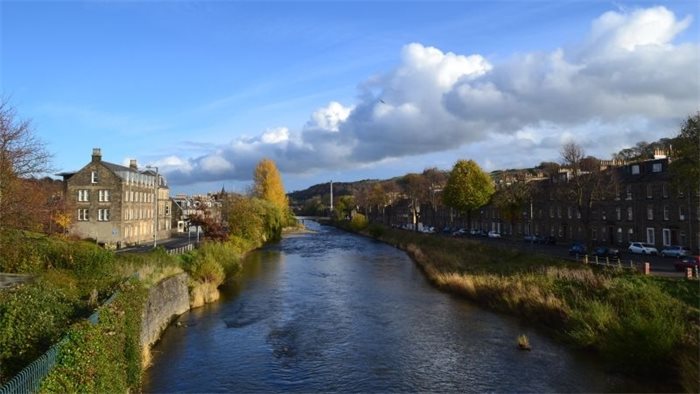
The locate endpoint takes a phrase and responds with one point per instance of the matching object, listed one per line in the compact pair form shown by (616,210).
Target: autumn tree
(22,155)
(268,185)
(586,185)
(468,187)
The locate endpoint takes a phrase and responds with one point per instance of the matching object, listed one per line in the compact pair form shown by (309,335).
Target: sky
(345,91)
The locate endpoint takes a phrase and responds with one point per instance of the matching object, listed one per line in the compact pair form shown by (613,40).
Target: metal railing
(181,249)
(29,379)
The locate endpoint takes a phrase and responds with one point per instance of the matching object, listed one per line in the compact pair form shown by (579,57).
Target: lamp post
(155,208)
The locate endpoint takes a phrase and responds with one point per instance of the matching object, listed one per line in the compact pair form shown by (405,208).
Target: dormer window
(94,177)
(657,167)
(635,169)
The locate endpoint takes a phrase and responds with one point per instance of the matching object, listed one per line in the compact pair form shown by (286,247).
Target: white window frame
(83,215)
(630,213)
(635,169)
(628,192)
(651,236)
(103,195)
(83,195)
(650,191)
(666,213)
(650,212)
(681,213)
(93,177)
(666,236)
(103,215)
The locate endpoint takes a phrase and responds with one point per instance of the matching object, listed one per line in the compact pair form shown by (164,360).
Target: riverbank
(637,324)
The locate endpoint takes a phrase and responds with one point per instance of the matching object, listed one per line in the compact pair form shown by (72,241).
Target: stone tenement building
(118,205)
(646,206)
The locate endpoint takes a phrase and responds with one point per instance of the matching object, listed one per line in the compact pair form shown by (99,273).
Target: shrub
(376,231)
(104,357)
(32,318)
(358,222)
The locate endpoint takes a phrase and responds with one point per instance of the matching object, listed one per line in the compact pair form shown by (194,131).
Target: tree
(416,189)
(511,199)
(468,188)
(22,155)
(586,184)
(268,185)
(685,167)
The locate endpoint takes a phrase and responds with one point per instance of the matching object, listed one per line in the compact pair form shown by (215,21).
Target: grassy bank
(638,324)
(71,279)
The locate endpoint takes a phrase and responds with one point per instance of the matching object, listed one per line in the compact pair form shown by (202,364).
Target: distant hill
(323,189)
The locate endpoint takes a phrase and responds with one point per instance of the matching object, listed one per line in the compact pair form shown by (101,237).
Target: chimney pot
(96,154)
(132,164)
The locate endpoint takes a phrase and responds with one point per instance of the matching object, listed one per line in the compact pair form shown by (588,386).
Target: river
(333,312)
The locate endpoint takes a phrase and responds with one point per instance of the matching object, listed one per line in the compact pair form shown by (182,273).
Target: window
(103,195)
(628,191)
(682,238)
(618,213)
(650,212)
(680,191)
(630,216)
(650,236)
(650,191)
(630,235)
(666,213)
(657,167)
(103,215)
(83,215)
(635,169)
(551,212)
(664,191)
(83,195)
(594,234)
(94,177)
(619,235)
(681,213)
(568,212)
(559,212)
(666,235)
(604,214)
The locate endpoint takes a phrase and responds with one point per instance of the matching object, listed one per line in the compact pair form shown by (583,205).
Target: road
(170,243)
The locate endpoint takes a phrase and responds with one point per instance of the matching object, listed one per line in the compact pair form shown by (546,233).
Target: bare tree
(22,155)
(585,185)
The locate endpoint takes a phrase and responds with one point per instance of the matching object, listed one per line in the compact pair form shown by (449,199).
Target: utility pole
(155,208)
(331,214)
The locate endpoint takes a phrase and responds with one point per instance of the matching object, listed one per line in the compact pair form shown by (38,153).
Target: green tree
(468,187)
(416,189)
(685,167)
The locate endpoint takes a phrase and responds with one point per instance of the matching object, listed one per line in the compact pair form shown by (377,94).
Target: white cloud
(625,81)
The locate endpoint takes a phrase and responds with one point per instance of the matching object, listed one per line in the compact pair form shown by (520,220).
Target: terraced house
(117,205)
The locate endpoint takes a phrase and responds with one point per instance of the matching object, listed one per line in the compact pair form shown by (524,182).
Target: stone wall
(166,300)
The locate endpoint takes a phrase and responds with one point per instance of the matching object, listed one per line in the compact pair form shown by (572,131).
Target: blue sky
(345,90)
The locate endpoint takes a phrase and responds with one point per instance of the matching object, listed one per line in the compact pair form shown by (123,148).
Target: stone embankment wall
(166,300)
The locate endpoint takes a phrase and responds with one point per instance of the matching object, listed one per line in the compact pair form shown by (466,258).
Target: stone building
(117,205)
(646,206)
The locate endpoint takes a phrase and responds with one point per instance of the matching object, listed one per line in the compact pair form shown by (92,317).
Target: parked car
(675,251)
(493,234)
(577,248)
(642,248)
(460,232)
(604,251)
(687,262)
(530,238)
(447,230)
(547,240)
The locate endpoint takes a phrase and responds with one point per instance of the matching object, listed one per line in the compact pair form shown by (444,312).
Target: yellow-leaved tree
(268,185)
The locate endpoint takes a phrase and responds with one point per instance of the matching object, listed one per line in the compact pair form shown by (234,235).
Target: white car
(493,234)
(642,248)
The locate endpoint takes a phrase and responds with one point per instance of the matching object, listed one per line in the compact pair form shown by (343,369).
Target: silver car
(675,251)
(642,248)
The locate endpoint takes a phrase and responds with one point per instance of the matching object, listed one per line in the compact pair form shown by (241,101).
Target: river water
(333,312)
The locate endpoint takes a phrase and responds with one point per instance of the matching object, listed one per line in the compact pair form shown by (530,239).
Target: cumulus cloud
(626,72)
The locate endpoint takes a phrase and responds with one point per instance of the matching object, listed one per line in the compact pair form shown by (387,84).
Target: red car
(687,262)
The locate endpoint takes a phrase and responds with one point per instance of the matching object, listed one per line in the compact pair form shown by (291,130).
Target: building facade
(117,205)
(646,205)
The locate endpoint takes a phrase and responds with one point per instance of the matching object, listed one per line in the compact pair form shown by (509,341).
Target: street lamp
(155,208)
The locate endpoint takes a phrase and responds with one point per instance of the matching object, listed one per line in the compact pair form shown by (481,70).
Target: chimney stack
(132,164)
(96,155)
